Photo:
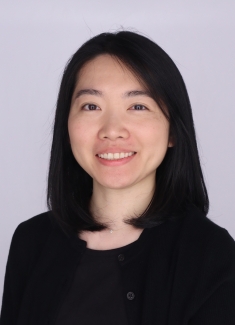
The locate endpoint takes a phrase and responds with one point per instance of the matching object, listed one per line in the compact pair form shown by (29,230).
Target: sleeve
(216,290)
(17,272)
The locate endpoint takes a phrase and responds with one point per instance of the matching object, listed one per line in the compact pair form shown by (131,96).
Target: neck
(113,206)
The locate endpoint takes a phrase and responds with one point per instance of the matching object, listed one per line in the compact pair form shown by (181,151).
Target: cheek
(77,133)
(158,134)
(77,140)
(157,142)
(81,141)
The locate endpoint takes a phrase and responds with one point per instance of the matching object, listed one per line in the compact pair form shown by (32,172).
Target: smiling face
(118,133)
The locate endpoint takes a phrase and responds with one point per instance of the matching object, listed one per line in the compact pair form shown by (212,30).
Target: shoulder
(208,265)
(28,241)
(30,237)
(41,220)
(206,243)
(199,227)
(35,227)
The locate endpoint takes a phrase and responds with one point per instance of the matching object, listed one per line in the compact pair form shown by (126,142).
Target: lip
(114,150)
(118,162)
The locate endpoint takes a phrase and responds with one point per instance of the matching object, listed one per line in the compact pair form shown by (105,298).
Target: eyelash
(137,105)
(89,105)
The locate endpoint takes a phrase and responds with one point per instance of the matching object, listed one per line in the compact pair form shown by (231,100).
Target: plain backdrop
(36,40)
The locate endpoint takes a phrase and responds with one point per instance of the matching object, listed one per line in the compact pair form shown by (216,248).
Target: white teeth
(116,155)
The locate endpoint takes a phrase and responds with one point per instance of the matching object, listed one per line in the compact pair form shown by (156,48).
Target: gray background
(38,37)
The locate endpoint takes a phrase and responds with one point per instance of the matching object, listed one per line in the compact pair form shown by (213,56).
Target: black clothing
(97,283)
(184,274)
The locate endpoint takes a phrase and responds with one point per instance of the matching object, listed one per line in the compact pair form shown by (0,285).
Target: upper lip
(114,150)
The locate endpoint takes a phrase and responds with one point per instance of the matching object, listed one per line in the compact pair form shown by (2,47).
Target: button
(121,257)
(130,295)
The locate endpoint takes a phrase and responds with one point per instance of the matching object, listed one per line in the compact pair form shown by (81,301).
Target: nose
(113,128)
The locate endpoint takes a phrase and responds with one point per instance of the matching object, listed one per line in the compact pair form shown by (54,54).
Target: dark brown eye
(139,107)
(90,107)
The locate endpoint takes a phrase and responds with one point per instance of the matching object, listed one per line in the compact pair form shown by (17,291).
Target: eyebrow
(134,93)
(99,93)
(88,92)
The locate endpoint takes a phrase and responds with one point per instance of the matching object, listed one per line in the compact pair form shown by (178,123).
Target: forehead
(107,75)
(105,69)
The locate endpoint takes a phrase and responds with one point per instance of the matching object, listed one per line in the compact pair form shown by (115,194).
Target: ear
(171,139)
(171,142)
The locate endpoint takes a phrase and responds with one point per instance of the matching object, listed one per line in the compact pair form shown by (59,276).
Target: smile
(116,155)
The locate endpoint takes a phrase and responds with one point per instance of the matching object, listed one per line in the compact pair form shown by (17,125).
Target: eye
(139,107)
(90,107)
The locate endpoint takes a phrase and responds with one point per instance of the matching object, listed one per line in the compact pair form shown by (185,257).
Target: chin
(116,184)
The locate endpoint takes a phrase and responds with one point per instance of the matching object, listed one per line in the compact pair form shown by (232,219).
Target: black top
(183,274)
(96,293)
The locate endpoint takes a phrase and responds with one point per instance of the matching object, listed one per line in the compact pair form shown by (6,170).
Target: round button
(130,295)
(121,257)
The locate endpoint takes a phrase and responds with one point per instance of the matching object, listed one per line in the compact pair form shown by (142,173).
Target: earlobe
(171,142)
(171,138)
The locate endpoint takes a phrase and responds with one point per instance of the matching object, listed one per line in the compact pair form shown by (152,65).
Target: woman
(126,239)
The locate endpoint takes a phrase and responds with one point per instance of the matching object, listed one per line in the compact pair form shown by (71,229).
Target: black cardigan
(187,275)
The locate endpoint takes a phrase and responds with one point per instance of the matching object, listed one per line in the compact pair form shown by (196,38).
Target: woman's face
(118,133)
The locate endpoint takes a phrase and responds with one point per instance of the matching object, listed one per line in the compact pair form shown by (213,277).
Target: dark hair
(179,181)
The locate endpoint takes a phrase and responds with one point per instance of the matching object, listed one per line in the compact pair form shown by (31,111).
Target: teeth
(117,155)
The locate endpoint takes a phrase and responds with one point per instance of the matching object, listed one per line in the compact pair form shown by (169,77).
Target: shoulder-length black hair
(179,179)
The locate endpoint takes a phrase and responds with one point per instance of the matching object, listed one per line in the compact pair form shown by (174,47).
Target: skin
(120,116)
